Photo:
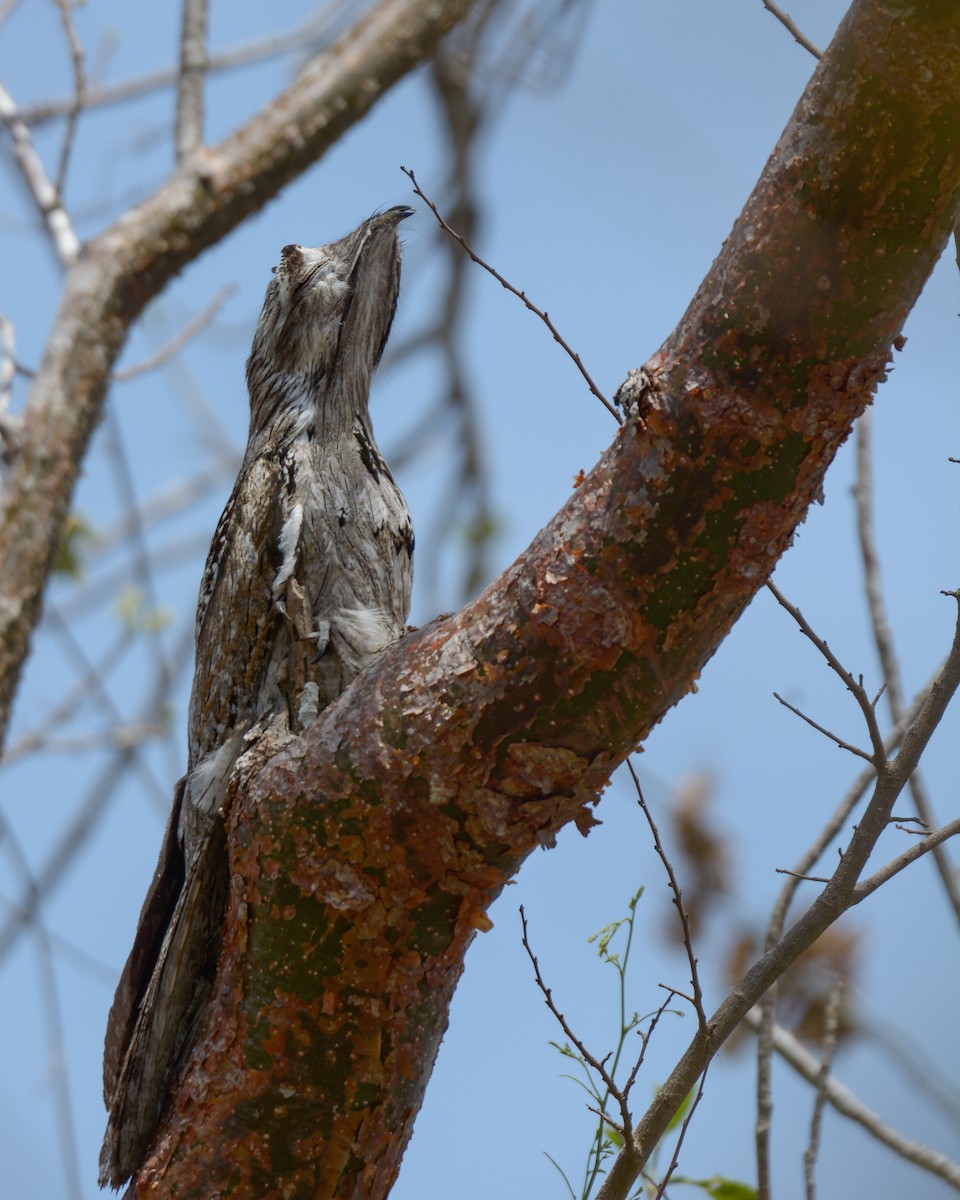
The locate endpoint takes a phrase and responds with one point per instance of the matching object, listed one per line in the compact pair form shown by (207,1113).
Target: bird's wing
(165,1022)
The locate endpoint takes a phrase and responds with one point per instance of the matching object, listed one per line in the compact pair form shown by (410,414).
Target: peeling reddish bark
(364,854)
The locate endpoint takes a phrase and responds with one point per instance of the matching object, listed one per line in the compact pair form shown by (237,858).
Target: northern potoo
(307,580)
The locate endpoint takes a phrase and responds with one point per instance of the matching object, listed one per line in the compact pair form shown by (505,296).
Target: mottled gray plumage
(308,578)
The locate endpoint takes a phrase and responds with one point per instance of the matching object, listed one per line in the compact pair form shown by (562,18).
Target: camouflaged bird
(307,580)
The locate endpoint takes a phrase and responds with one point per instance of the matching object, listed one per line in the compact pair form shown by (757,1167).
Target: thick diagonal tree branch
(365,854)
(131,262)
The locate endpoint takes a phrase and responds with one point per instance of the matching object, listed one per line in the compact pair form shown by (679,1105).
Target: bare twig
(684,1126)
(90,684)
(86,820)
(53,1021)
(697,998)
(830,1039)
(854,686)
(193,65)
(833,737)
(308,37)
(844,1101)
(34,174)
(78,62)
(173,347)
(594,1063)
(141,564)
(883,639)
(465,108)
(96,967)
(882,636)
(925,1068)
(806,878)
(788,24)
(119,736)
(519,294)
(896,865)
(777,924)
(835,899)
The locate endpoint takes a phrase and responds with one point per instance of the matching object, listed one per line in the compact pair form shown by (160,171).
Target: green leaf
(720,1188)
(68,559)
(133,613)
(677,1118)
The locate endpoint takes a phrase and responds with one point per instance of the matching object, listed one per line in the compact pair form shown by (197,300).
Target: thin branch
(90,684)
(804,878)
(186,549)
(595,1063)
(306,38)
(173,347)
(844,1101)
(53,1020)
(835,899)
(118,737)
(882,635)
(190,83)
(777,924)
(86,820)
(141,564)
(105,973)
(516,292)
(788,24)
(78,62)
(924,1068)
(846,806)
(883,639)
(697,998)
(854,686)
(830,1040)
(833,737)
(685,1125)
(42,191)
(896,865)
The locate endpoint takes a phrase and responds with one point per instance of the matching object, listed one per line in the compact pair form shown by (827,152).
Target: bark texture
(365,854)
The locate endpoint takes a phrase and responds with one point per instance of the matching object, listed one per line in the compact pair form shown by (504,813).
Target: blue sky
(606,198)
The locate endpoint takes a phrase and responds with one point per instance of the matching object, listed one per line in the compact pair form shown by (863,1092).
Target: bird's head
(326,318)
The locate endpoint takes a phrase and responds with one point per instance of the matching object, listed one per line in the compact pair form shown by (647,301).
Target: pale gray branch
(34,174)
(307,37)
(78,63)
(193,66)
(830,1039)
(844,1101)
(883,639)
(787,22)
(896,865)
(87,819)
(178,341)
